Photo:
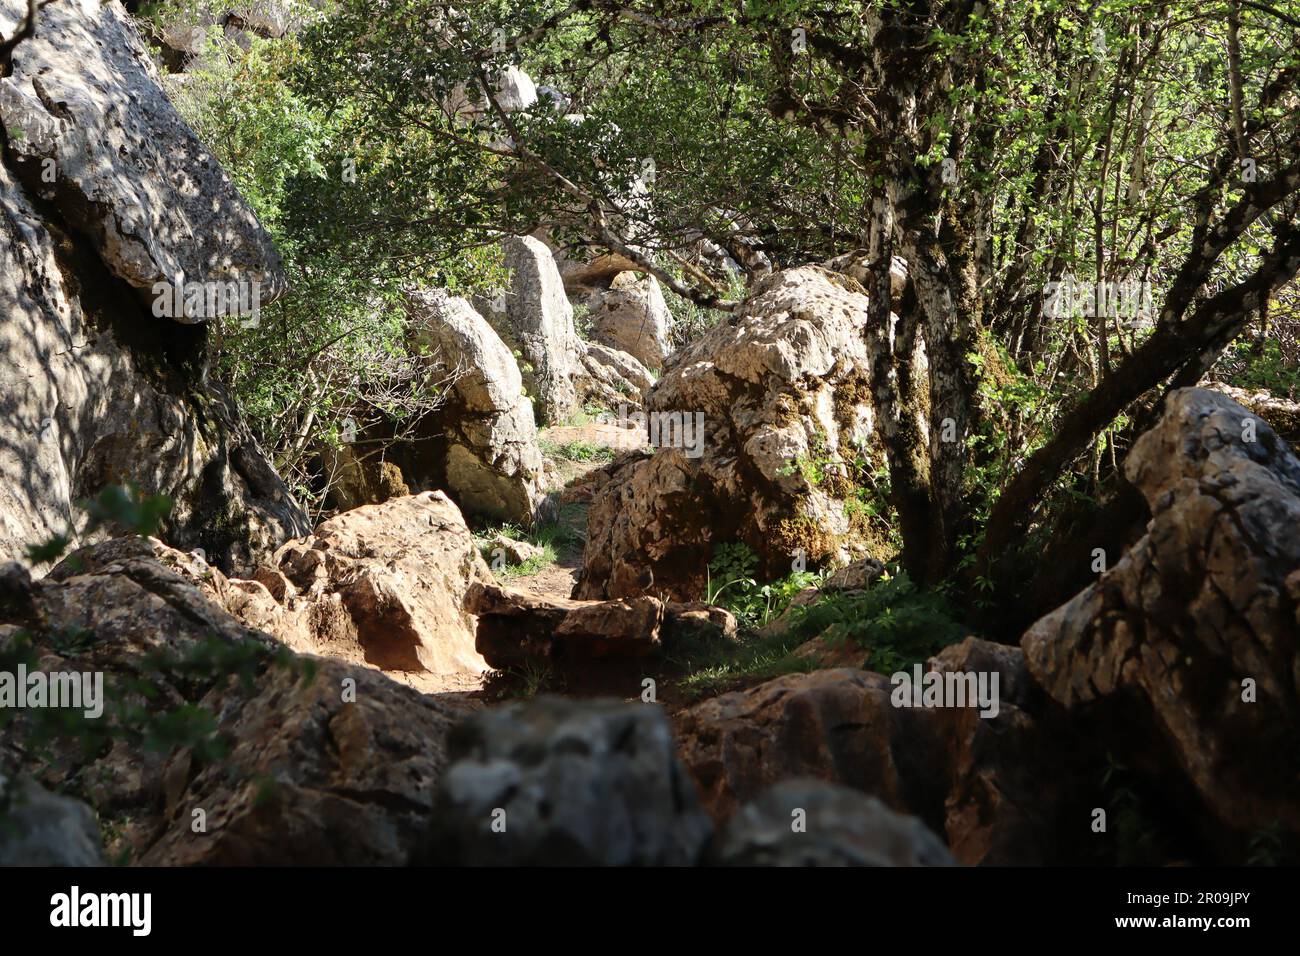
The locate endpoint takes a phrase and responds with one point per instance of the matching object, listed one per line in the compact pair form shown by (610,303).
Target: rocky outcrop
(384,584)
(560,370)
(84,103)
(755,423)
(97,389)
(833,725)
(997,787)
(517,629)
(538,324)
(614,378)
(216,745)
(556,782)
(356,480)
(813,823)
(39,828)
(484,437)
(1197,624)
(632,316)
(1282,414)
(857,266)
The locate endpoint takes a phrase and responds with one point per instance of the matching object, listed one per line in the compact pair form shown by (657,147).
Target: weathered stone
(1282,414)
(84,95)
(814,823)
(399,572)
(39,828)
(485,436)
(511,551)
(783,381)
(997,787)
(632,316)
(557,782)
(834,725)
(614,378)
(328,763)
(538,324)
(97,390)
(1199,619)
(516,629)
(355,480)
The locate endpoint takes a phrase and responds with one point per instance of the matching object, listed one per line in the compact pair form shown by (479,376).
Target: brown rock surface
(290,760)
(1208,600)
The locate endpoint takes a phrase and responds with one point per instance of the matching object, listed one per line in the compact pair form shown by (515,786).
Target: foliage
(578,451)
(336,355)
(896,621)
(731,584)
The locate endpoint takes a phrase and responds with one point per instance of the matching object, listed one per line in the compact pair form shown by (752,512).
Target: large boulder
(756,424)
(558,782)
(1282,414)
(216,745)
(537,323)
(632,316)
(614,377)
(84,102)
(485,434)
(383,586)
(516,629)
(39,828)
(104,193)
(1195,628)
(386,584)
(998,787)
(535,320)
(806,822)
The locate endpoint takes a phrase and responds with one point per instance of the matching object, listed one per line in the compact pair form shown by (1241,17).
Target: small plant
(730,582)
(578,451)
(896,621)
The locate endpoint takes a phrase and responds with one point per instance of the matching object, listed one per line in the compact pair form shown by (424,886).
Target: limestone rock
(516,629)
(1282,414)
(84,95)
(357,481)
(328,763)
(512,551)
(383,585)
(538,323)
(587,783)
(97,390)
(486,438)
(785,379)
(834,725)
(1200,618)
(387,583)
(839,827)
(632,316)
(39,828)
(998,788)
(559,369)
(614,378)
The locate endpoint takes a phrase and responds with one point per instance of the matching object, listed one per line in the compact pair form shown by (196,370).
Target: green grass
(560,539)
(714,670)
(577,451)
(895,623)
